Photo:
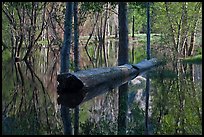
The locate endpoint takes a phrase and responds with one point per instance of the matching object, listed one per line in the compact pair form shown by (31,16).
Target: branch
(90,38)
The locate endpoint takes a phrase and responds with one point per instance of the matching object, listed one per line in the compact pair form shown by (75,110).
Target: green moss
(194,59)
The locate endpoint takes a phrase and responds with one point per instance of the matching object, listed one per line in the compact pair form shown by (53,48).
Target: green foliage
(102,127)
(137,120)
(92,6)
(6,55)
(42,42)
(6,31)
(174,20)
(177,104)
(194,59)
(139,13)
(139,54)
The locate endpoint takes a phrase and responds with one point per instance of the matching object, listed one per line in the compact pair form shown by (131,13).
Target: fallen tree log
(76,88)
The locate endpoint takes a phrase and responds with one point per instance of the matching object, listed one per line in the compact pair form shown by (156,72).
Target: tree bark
(192,38)
(76,63)
(133,26)
(65,61)
(76,37)
(116,23)
(86,49)
(123,59)
(104,35)
(184,32)
(147,106)
(172,31)
(148,31)
(76,88)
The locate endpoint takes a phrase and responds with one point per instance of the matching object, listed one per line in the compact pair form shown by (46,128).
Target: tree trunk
(133,53)
(104,36)
(76,37)
(76,88)
(192,39)
(133,26)
(184,30)
(192,44)
(116,22)
(171,25)
(76,63)
(147,80)
(32,31)
(147,106)
(148,32)
(86,49)
(123,59)
(65,61)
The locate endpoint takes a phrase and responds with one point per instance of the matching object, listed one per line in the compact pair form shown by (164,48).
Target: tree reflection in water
(174,104)
(28,101)
(29,105)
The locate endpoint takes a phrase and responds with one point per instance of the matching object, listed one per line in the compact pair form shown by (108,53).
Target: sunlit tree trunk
(116,22)
(184,31)
(123,59)
(172,29)
(194,93)
(192,37)
(65,52)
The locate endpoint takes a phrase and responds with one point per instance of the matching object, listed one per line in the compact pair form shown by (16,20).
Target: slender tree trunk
(133,53)
(116,24)
(123,59)
(22,19)
(147,106)
(116,31)
(32,31)
(192,38)
(133,26)
(65,61)
(86,45)
(192,43)
(171,25)
(184,30)
(148,32)
(76,37)
(76,63)
(100,39)
(147,81)
(104,36)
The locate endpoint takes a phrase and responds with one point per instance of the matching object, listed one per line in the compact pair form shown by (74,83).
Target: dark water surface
(29,97)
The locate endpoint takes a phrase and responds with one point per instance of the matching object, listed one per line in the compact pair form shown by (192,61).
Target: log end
(71,100)
(68,83)
(70,90)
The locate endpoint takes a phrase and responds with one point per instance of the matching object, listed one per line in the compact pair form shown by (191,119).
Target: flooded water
(164,100)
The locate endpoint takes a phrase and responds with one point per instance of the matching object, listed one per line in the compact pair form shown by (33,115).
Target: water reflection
(29,98)
(26,96)
(174,102)
(173,108)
